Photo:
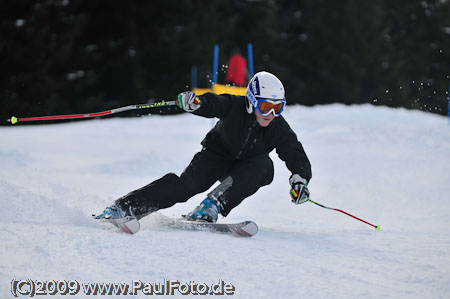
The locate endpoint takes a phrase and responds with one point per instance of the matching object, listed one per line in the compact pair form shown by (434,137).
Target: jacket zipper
(250,130)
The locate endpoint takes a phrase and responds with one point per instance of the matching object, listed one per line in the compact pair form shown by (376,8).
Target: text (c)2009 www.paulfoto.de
(30,287)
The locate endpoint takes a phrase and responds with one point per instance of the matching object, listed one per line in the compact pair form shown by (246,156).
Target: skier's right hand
(188,101)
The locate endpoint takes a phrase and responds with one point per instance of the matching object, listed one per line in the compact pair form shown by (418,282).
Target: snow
(387,166)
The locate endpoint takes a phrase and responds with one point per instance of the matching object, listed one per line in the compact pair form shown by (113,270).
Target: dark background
(67,56)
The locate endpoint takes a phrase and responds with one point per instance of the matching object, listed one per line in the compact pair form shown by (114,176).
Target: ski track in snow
(387,166)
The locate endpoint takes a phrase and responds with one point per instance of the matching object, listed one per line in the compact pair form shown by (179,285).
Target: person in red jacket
(237,69)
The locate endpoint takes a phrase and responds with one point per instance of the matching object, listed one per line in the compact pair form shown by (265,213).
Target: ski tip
(129,225)
(252,228)
(246,229)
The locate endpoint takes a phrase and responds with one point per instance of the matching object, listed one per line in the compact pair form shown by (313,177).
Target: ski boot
(207,211)
(112,212)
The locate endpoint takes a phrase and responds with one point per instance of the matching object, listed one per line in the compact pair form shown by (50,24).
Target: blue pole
(250,59)
(215,64)
(215,72)
(194,76)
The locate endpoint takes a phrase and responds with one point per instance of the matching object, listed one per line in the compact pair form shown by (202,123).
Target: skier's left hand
(299,190)
(188,101)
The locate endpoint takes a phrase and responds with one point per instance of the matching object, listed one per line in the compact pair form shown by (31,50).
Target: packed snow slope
(388,166)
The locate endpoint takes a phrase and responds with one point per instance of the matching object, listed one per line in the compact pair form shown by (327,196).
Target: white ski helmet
(263,85)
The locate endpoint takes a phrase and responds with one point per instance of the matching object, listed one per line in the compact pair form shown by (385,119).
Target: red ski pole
(377,227)
(14,119)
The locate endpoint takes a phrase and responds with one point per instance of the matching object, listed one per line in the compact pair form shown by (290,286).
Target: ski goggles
(266,106)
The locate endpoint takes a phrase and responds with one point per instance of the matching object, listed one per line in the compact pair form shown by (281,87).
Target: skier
(235,152)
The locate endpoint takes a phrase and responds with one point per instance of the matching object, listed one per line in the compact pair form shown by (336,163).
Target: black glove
(299,190)
(188,101)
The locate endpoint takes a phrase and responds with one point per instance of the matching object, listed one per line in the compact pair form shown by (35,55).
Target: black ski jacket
(238,135)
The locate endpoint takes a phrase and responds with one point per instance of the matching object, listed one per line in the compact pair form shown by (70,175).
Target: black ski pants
(205,169)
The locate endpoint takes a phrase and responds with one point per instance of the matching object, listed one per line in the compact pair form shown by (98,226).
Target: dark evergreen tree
(62,56)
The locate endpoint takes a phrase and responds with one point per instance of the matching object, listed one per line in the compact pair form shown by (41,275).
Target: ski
(239,229)
(128,224)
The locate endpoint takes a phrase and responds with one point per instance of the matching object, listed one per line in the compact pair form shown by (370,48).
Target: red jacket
(237,66)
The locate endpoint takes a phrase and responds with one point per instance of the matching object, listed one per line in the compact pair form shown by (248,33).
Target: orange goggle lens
(265,107)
